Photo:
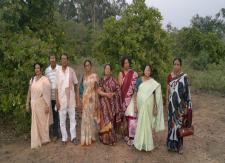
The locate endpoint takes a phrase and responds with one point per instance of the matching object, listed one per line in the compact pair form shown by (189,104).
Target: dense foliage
(105,30)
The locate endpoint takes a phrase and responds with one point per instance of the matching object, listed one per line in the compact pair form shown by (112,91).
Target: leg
(71,112)
(55,119)
(62,116)
(180,145)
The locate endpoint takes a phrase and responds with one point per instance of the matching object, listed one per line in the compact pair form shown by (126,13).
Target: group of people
(130,105)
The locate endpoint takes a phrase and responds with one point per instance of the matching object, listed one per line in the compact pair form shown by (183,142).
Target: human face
(126,65)
(107,70)
(37,70)
(87,67)
(176,66)
(52,61)
(64,60)
(147,71)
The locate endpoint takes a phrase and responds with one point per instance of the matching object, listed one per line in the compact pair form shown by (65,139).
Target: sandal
(130,142)
(126,139)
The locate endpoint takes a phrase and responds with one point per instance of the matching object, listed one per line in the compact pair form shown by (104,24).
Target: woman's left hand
(135,109)
(47,110)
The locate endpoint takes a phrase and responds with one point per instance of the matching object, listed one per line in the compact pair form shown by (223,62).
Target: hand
(109,95)
(28,108)
(58,106)
(135,109)
(78,104)
(46,110)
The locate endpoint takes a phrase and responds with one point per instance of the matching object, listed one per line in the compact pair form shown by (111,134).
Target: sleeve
(168,79)
(137,84)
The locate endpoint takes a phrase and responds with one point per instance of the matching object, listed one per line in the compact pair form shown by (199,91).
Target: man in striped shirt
(50,72)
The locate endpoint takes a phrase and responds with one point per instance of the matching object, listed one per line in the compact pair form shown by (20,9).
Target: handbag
(186,131)
(188,128)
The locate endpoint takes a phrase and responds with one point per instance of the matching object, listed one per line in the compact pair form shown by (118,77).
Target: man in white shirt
(50,72)
(66,98)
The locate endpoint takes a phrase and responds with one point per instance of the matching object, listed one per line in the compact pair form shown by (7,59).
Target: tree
(26,36)
(90,11)
(211,24)
(138,34)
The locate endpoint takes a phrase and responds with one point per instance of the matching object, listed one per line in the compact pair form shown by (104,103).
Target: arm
(28,100)
(57,99)
(99,90)
(102,93)
(135,102)
(188,98)
(167,93)
(167,89)
(77,94)
(135,95)
(46,94)
(120,77)
(57,93)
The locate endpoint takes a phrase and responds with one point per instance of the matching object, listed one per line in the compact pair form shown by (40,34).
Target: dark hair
(65,55)
(52,54)
(177,59)
(148,65)
(124,59)
(37,63)
(108,65)
(87,60)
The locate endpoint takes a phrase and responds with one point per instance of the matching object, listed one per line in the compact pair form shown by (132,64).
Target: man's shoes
(64,143)
(75,141)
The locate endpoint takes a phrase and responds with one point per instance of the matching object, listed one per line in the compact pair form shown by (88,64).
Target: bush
(211,79)
(19,55)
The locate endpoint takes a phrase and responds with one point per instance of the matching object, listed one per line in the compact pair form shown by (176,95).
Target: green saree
(147,122)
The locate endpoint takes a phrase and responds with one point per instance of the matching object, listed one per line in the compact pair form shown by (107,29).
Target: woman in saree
(40,91)
(127,80)
(150,110)
(91,111)
(110,108)
(179,100)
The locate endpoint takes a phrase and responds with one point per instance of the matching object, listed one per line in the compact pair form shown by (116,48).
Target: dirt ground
(206,146)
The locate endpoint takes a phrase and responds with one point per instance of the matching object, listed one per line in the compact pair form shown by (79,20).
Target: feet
(64,143)
(181,150)
(126,138)
(130,142)
(75,141)
(54,139)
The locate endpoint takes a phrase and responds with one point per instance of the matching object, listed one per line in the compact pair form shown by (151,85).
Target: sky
(180,12)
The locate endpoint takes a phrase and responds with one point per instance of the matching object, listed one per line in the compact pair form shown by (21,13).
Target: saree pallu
(147,122)
(110,110)
(127,93)
(179,103)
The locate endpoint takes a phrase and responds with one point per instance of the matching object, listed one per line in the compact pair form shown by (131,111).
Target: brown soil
(206,146)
